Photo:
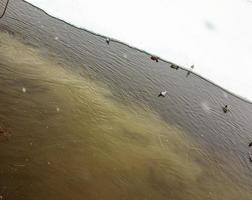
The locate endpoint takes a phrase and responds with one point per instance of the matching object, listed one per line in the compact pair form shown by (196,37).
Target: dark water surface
(80,119)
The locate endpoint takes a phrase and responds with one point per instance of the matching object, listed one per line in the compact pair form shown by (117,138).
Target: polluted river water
(80,120)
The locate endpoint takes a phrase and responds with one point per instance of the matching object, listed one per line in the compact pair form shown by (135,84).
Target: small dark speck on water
(174,66)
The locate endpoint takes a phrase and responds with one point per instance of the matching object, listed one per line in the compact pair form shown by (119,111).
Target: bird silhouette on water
(174,66)
(189,71)
(155,58)
(107,40)
(225,109)
(162,94)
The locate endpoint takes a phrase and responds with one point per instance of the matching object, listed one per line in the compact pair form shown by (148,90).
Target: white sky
(214,35)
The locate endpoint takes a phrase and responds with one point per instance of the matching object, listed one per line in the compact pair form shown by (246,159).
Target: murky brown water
(68,139)
(95,129)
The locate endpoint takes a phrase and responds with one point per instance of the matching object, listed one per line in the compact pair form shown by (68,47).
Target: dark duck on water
(155,58)
(174,66)
(225,109)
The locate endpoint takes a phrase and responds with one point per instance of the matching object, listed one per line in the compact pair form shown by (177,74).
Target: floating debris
(24,90)
(155,58)
(174,66)
(162,94)
(57,109)
(108,40)
(56,38)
